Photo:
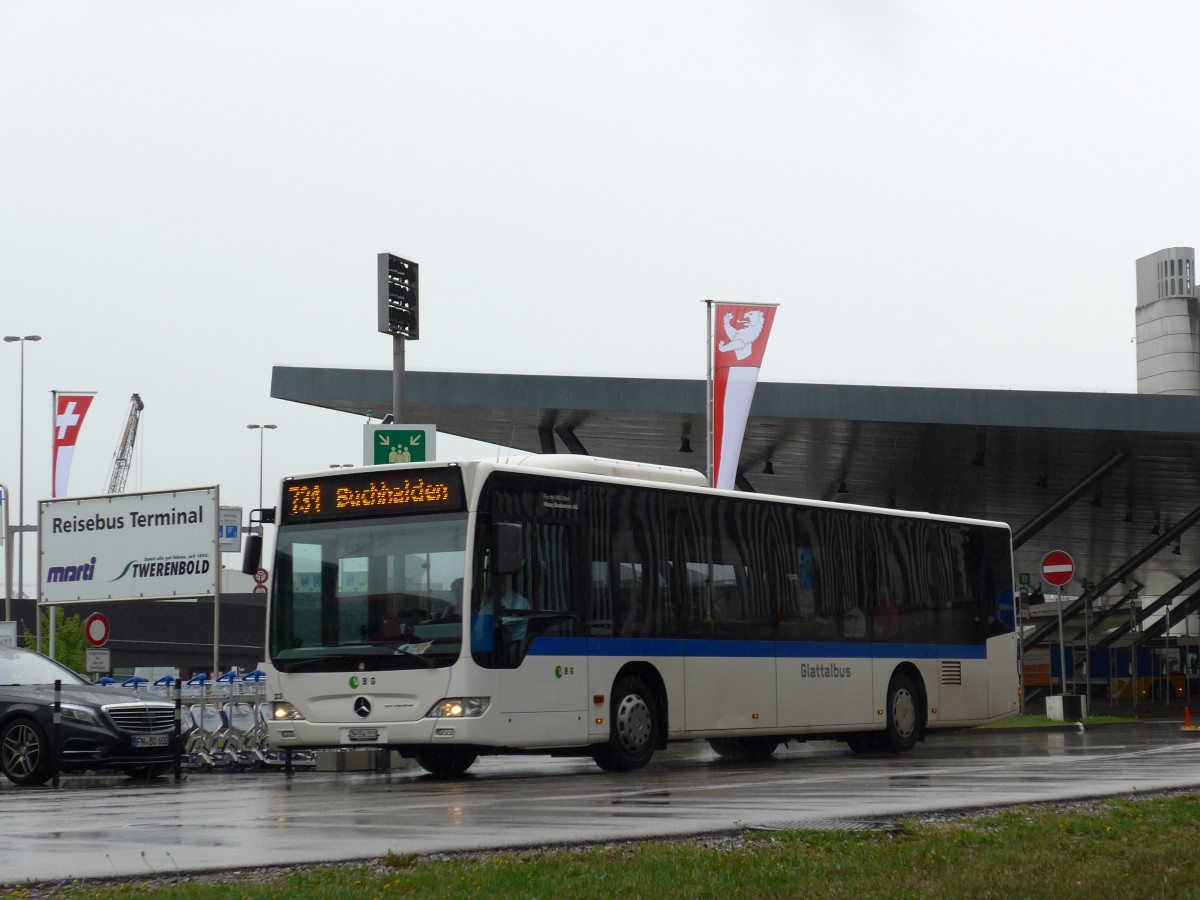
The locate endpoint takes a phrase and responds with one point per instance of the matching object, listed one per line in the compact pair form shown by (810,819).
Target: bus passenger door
(729,670)
(542,684)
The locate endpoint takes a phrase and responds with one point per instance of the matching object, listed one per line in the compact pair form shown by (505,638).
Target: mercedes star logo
(362,707)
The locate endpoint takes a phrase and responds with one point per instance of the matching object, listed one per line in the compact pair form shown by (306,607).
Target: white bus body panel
(725,693)
(541,703)
(823,692)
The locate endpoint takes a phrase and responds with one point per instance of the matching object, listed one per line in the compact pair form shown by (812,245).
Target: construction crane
(123,458)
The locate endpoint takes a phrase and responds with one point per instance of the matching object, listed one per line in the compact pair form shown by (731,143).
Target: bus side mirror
(506,548)
(252,555)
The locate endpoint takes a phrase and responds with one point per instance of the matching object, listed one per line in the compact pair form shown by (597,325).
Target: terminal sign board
(129,547)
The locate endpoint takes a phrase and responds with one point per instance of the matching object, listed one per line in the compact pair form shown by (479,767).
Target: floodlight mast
(23,340)
(399,293)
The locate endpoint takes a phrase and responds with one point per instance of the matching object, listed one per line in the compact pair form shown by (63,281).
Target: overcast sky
(936,193)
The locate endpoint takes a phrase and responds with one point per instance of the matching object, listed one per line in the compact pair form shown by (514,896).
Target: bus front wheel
(903,714)
(445,762)
(633,728)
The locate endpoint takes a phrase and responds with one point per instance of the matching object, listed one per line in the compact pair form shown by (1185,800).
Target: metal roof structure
(1113,479)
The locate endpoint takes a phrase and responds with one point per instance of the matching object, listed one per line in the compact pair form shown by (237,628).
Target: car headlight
(459,708)
(282,711)
(84,714)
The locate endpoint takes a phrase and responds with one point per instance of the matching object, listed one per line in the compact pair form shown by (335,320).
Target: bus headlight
(282,711)
(459,708)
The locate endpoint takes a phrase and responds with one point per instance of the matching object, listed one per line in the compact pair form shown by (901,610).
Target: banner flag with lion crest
(737,338)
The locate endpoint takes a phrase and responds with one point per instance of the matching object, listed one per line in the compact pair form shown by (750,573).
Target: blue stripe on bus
(641,647)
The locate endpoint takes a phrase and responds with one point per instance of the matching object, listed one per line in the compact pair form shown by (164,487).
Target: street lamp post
(261,429)
(8,339)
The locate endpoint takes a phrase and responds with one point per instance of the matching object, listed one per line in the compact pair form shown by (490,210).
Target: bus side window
(800,617)
(727,606)
(600,601)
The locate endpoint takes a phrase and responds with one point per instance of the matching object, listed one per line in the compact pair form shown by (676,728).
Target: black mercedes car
(103,728)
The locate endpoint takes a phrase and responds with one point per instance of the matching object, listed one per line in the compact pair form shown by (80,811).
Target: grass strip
(1032,721)
(1126,847)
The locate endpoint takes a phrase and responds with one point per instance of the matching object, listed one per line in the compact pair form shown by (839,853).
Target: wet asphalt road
(102,827)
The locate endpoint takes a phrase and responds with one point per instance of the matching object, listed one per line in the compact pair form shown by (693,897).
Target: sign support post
(6,539)
(1057,569)
(217,585)
(1062,651)
(1087,651)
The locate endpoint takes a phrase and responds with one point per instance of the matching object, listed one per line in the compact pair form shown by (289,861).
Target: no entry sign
(1057,567)
(95,629)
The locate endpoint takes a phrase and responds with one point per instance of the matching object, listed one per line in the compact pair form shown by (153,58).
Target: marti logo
(83,572)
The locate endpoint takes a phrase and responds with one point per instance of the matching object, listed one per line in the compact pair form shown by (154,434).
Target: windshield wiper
(332,659)
(312,662)
(395,648)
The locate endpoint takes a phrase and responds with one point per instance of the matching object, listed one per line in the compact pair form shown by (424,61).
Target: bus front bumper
(312,735)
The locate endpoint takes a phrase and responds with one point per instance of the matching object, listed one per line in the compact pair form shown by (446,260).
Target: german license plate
(151,740)
(362,734)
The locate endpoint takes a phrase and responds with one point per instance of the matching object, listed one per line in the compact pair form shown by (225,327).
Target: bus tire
(633,728)
(903,714)
(753,749)
(862,741)
(445,762)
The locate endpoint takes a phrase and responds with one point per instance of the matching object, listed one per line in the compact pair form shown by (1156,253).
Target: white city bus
(636,607)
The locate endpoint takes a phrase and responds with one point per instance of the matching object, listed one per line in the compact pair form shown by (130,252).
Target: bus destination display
(367,494)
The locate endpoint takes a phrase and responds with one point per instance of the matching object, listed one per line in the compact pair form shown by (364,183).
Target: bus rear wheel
(633,728)
(445,762)
(903,714)
(754,749)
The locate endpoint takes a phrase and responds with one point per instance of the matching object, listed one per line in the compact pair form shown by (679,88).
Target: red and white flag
(69,410)
(737,339)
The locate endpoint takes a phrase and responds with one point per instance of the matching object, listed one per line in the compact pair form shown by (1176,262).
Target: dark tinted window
(647,562)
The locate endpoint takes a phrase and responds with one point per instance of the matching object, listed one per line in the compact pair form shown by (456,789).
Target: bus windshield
(369,594)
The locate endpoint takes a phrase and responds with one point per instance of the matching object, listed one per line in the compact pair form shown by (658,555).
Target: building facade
(1168,323)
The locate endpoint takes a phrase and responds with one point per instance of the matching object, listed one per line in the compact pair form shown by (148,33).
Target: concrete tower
(1168,323)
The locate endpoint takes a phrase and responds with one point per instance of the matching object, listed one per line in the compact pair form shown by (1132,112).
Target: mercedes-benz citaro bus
(571,605)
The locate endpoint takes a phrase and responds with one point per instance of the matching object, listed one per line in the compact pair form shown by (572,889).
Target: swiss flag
(69,410)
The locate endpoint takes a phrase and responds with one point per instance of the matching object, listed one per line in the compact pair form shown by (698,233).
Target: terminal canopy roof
(1113,479)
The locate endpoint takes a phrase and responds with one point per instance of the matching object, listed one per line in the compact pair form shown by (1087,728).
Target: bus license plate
(362,734)
(151,740)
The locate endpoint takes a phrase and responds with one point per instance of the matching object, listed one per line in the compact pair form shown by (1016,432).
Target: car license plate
(362,734)
(151,740)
